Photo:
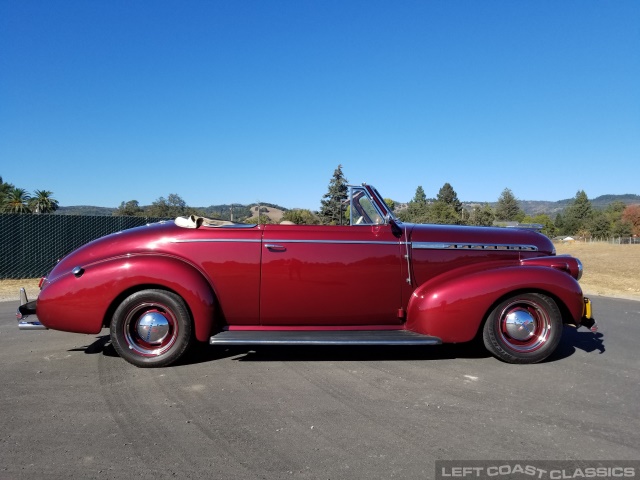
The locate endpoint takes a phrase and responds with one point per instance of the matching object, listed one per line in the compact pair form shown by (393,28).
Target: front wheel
(525,328)
(151,328)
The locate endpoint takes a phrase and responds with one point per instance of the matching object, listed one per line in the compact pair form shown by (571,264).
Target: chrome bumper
(587,317)
(25,310)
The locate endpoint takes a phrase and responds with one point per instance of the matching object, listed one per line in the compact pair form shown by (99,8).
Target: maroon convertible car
(376,281)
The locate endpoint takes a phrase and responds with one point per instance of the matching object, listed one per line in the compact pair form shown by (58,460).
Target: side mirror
(395,228)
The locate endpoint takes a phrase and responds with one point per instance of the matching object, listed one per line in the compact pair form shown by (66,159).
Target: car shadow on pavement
(572,340)
(202,353)
(577,339)
(101,345)
(333,353)
(197,354)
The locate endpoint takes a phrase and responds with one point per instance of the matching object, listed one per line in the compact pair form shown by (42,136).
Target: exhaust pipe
(26,309)
(23,325)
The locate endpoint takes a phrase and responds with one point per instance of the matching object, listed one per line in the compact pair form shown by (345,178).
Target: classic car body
(375,281)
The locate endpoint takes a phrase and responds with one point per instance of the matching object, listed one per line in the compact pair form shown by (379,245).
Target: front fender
(80,304)
(453,308)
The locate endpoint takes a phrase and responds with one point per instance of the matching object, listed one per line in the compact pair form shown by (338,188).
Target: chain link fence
(30,245)
(614,240)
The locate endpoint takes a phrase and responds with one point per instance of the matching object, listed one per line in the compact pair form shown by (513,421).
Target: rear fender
(454,308)
(82,303)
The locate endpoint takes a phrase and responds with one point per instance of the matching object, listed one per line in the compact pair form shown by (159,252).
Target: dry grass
(609,270)
(10,289)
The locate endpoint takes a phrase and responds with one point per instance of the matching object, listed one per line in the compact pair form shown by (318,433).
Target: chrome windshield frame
(388,213)
(384,216)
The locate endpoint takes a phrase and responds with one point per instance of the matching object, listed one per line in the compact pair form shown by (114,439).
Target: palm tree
(43,202)
(17,201)
(5,188)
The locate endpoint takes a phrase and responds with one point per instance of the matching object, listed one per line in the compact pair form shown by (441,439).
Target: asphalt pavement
(71,408)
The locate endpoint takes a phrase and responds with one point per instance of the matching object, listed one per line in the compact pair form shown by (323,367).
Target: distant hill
(243,212)
(530,207)
(537,207)
(603,200)
(240,212)
(275,214)
(85,210)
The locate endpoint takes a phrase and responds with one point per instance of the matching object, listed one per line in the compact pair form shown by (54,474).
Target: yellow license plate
(586,311)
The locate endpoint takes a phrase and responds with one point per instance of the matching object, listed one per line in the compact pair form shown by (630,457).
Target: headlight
(579,269)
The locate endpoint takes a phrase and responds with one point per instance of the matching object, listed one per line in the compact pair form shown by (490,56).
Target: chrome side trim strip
(338,242)
(245,240)
(472,246)
(415,245)
(217,240)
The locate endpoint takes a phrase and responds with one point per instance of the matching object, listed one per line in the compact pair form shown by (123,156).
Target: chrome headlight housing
(580,269)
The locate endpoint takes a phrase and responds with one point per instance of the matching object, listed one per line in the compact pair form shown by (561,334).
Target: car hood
(452,236)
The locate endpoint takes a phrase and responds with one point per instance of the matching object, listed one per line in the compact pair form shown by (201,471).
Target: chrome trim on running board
(322,337)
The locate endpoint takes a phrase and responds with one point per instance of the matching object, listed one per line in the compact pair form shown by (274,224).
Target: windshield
(363,210)
(375,191)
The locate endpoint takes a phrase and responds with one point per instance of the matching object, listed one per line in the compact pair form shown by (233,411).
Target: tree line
(174,206)
(580,218)
(18,200)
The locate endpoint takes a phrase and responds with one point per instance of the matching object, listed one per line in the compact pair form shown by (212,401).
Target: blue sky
(238,101)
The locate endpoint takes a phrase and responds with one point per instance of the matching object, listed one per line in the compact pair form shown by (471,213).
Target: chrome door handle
(273,246)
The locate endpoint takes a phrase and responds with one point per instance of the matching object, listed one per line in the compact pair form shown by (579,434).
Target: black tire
(524,328)
(151,328)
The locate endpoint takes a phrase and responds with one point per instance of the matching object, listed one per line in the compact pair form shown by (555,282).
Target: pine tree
(443,213)
(559,223)
(332,210)
(508,209)
(417,210)
(578,214)
(449,196)
(420,196)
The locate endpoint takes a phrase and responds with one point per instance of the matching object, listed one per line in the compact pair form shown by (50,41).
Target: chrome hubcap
(521,325)
(153,328)
(150,329)
(524,326)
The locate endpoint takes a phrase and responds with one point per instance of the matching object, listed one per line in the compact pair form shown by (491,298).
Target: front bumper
(25,310)
(587,316)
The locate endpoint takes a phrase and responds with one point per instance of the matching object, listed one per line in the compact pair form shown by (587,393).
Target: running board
(322,337)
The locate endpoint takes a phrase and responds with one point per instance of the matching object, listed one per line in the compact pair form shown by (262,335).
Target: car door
(330,276)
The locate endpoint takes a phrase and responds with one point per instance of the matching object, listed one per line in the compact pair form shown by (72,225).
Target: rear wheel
(151,328)
(525,328)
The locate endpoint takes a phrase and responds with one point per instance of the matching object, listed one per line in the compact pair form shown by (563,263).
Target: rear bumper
(25,310)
